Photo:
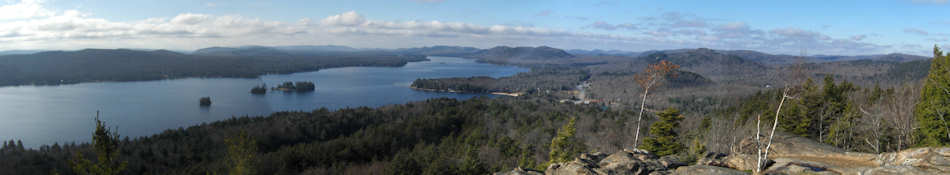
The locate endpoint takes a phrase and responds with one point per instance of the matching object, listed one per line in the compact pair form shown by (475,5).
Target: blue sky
(846,27)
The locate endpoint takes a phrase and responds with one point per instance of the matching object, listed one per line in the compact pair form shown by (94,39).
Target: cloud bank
(28,25)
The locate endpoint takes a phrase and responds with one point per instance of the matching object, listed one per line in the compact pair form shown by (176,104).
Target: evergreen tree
(795,119)
(241,150)
(106,145)
(662,140)
(931,111)
(19,145)
(565,146)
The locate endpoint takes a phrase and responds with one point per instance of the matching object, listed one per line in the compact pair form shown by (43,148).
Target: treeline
(90,65)
(839,114)
(555,78)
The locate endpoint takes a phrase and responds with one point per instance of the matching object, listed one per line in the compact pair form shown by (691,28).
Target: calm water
(47,114)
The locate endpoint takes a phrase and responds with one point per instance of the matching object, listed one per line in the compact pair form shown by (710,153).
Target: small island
(300,86)
(262,89)
(204,101)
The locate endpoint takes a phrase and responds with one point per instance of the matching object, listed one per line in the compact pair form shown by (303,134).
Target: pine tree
(565,146)
(934,105)
(662,140)
(106,145)
(241,150)
(19,145)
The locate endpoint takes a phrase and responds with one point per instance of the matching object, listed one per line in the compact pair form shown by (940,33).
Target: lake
(40,115)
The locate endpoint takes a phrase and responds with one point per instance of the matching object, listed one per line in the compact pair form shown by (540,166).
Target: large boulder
(631,162)
(583,164)
(937,158)
(520,171)
(744,162)
(927,159)
(739,161)
(570,168)
(706,170)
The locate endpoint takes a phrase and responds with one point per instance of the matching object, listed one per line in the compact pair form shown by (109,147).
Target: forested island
(300,86)
(204,101)
(260,89)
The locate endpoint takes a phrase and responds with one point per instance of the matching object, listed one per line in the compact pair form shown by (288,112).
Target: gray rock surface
(789,155)
(706,170)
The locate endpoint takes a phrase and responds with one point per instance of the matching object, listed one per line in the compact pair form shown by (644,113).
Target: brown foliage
(648,78)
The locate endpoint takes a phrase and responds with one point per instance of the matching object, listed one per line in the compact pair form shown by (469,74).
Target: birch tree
(651,77)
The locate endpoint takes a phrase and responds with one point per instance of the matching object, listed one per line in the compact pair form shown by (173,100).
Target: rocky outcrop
(632,162)
(913,161)
(706,170)
(789,155)
(797,155)
(520,171)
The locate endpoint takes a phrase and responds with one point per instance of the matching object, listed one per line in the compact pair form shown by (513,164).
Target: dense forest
(437,136)
(540,79)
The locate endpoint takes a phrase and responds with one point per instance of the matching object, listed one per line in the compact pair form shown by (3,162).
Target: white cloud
(349,18)
(76,30)
(24,10)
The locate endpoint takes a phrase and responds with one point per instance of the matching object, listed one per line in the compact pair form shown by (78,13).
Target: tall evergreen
(931,111)
(565,146)
(662,140)
(241,151)
(106,145)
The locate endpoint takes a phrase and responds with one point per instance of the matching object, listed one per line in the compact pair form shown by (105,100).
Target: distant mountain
(441,51)
(313,49)
(718,66)
(284,51)
(19,52)
(895,57)
(686,79)
(523,55)
(598,52)
(778,59)
(240,51)
(767,59)
(89,65)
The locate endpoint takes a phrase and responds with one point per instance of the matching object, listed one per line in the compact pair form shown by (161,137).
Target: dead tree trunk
(765,157)
(636,137)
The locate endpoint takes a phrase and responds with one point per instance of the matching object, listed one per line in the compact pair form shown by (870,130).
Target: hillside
(716,65)
(440,51)
(91,65)
(598,52)
(505,54)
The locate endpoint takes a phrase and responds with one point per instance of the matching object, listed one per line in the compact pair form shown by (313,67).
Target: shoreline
(511,94)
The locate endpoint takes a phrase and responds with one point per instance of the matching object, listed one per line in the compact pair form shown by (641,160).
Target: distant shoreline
(511,94)
(73,82)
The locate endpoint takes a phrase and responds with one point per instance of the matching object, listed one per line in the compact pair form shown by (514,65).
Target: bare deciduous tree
(650,77)
(763,155)
(901,107)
